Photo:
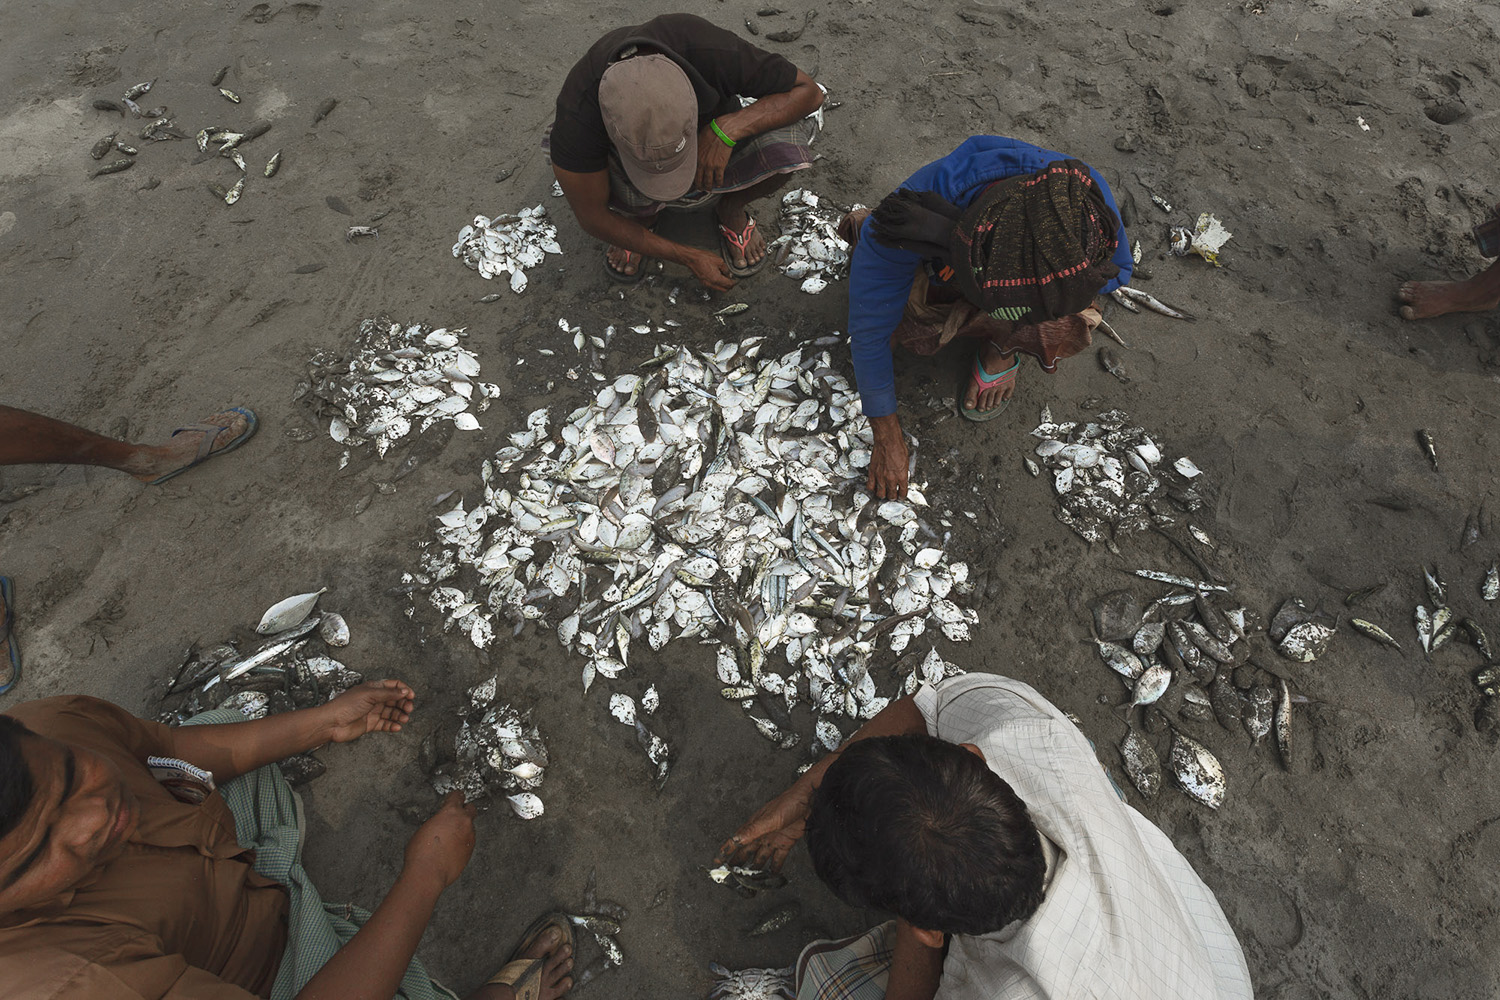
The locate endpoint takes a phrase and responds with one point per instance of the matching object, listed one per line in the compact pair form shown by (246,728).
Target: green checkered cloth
(268,818)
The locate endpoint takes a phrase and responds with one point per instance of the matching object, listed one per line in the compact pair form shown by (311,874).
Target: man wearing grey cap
(650,118)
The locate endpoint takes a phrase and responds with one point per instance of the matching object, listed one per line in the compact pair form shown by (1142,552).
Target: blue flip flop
(210,432)
(7,636)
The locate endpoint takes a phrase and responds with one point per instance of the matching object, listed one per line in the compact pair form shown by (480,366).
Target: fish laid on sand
(496,750)
(707,496)
(508,244)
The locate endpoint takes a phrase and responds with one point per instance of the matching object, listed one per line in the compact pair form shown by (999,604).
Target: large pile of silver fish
(1184,661)
(707,496)
(810,248)
(395,380)
(1111,477)
(289,669)
(507,244)
(495,751)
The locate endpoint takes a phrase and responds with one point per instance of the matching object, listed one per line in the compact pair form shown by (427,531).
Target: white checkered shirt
(1125,916)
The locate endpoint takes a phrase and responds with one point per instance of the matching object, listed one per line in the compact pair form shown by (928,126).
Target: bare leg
(555,978)
(30,438)
(1426,299)
(732,215)
(628,262)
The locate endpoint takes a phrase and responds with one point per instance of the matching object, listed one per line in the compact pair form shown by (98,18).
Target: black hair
(922,828)
(16,786)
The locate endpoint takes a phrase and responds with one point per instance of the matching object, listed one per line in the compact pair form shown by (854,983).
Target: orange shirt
(181,914)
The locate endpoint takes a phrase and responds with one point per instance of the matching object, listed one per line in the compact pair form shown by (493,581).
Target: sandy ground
(131,307)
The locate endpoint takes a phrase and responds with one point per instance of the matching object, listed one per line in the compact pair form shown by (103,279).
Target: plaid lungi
(782,150)
(268,819)
(855,968)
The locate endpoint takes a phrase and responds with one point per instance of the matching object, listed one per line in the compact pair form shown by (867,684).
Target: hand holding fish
(770,834)
(375,706)
(710,269)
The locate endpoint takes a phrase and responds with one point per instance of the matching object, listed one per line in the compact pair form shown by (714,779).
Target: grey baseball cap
(651,114)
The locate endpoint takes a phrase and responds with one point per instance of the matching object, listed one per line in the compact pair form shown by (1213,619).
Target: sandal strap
(524,975)
(210,434)
(742,238)
(987,380)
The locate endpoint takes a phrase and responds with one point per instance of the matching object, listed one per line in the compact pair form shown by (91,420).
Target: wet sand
(133,308)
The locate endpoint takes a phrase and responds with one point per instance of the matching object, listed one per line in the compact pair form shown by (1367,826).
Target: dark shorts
(782,150)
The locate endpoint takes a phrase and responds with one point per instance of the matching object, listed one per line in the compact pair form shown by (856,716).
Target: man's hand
(770,834)
(710,269)
(888,459)
(441,847)
(713,156)
(372,707)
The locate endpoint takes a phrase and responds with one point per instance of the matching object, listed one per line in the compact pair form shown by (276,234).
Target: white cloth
(1125,916)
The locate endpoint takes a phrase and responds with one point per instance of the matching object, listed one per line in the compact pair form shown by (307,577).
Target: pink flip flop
(984,380)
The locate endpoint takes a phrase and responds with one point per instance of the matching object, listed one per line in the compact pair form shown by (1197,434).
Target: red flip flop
(732,244)
(984,380)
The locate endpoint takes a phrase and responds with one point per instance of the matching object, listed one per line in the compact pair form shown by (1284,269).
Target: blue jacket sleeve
(1122,257)
(879,283)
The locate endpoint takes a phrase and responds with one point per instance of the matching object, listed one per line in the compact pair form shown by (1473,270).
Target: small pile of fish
(289,670)
(397,379)
(810,248)
(602,918)
(163,127)
(1302,634)
(1183,660)
(1436,626)
(507,244)
(1111,477)
(705,497)
(751,984)
(496,751)
(748,882)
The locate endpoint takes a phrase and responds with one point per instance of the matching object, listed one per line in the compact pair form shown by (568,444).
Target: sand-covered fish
(1197,770)
(1141,763)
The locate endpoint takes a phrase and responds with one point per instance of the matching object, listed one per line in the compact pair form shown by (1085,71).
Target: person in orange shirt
(141,862)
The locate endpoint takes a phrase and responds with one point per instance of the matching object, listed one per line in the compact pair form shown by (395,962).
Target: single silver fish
(1197,770)
(1121,660)
(1260,709)
(1150,686)
(776,919)
(1179,581)
(139,90)
(1284,724)
(233,195)
(273,164)
(230,95)
(103,146)
(1375,632)
(1436,591)
(733,309)
(1490,588)
(1141,763)
(1429,447)
(1424,628)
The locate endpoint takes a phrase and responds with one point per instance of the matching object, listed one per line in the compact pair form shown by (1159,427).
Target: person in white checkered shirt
(976,813)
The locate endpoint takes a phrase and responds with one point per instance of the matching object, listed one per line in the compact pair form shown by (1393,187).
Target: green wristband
(713,123)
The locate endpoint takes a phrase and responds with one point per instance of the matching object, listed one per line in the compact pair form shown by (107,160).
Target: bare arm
(239,748)
(916,964)
(588,195)
(774,110)
(771,832)
(371,965)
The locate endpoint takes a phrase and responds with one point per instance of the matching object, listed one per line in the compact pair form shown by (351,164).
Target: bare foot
(181,449)
(1000,390)
(736,219)
(555,978)
(625,263)
(1426,299)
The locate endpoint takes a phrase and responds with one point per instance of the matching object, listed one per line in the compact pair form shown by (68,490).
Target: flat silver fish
(1141,763)
(103,146)
(113,168)
(230,95)
(1436,591)
(139,90)
(1284,724)
(1423,620)
(1197,770)
(1490,588)
(273,164)
(233,194)
(1260,710)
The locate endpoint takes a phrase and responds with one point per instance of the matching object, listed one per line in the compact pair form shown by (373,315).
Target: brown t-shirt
(721,65)
(180,915)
